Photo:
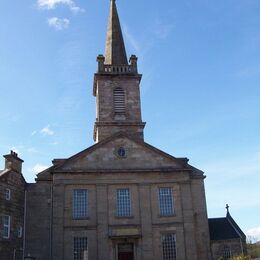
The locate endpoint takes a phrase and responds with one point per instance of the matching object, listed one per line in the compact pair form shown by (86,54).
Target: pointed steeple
(115,47)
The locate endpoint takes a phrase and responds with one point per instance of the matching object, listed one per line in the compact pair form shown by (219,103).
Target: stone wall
(200,218)
(236,246)
(131,121)
(13,246)
(144,228)
(38,220)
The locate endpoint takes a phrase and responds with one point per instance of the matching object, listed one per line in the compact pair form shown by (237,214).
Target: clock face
(121,152)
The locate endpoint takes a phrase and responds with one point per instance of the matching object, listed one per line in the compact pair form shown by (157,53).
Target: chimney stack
(13,162)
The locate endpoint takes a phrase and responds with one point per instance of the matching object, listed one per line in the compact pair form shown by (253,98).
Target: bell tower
(117,87)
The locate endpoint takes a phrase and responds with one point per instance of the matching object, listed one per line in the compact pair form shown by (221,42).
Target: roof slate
(222,229)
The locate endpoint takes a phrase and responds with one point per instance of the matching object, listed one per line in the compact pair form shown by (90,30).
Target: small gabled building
(226,238)
(12,204)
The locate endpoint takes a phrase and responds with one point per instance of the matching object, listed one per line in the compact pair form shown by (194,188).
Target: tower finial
(227,207)
(115,47)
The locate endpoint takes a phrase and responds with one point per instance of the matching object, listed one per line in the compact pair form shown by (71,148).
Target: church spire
(115,47)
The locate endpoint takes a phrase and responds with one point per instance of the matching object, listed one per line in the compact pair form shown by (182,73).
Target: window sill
(167,216)
(85,218)
(124,217)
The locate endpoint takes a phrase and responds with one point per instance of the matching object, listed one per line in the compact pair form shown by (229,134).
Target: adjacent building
(12,202)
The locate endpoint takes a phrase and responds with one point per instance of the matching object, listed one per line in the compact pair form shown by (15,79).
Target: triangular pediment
(121,153)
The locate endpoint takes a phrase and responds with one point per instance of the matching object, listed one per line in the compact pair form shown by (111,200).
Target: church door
(125,252)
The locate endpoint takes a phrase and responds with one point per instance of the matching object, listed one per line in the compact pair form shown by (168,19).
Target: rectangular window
(226,252)
(80,204)
(169,247)
(80,248)
(6,226)
(166,202)
(7,194)
(20,232)
(123,203)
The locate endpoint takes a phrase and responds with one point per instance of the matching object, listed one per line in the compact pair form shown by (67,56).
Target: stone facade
(12,199)
(100,171)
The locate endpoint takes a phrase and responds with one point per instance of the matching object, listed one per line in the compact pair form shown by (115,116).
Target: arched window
(119,101)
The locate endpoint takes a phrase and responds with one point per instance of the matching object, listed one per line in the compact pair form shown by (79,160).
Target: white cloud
(76,9)
(52,4)
(58,24)
(47,131)
(38,168)
(254,233)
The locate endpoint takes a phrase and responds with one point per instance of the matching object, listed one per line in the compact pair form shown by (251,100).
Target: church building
(122,198)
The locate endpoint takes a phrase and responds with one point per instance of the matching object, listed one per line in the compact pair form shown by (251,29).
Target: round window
(121,152)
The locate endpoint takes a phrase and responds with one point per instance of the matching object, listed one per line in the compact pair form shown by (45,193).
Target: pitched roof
(7,171)
(235,225)
(45,175)
(115,47)
(4,172)
(224,228)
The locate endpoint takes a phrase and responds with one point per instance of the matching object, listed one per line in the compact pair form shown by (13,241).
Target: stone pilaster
(146,222)
(102,222)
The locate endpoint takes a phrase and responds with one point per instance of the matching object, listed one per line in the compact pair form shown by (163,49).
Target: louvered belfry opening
(119,101)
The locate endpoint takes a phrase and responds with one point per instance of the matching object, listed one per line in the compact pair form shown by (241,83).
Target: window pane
(166,201)
(20,232)
(6,226)
(80,204)
(226,253)
(169,247)
(7,194)
(80,248)
(123,203)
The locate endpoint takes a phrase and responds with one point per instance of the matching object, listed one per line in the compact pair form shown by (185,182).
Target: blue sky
(200,62)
